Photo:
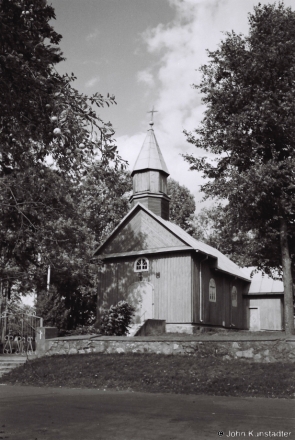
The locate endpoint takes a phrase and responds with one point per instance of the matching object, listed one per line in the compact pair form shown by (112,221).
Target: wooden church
(159,268)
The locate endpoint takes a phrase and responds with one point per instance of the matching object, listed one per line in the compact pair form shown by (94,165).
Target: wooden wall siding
(142,199)
(114,280)
(141,182)
(209,310)
(172,290)
(196,290)
(165,209)
(127,238)
(221,312)
(176,291)
(153,181)
(155,205)
(142,232)
(163,183)
(125,277)
(107,292)
(157,235)
(159,206)
(238,314)
(271,311)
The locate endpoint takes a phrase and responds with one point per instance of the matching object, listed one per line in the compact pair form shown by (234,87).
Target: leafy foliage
(247,124)
(116,320)
(249,89)
(50,135)
(216,227)
(53,147)
(182,205)
(96,206)
(40,108)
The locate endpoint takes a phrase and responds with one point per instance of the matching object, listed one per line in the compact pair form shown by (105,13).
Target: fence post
(43,333)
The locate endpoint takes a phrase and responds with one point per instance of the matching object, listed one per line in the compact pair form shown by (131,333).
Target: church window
(234,297)
(212,291)
(141,265)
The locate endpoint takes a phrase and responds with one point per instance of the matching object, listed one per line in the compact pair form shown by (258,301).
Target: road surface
(33,413)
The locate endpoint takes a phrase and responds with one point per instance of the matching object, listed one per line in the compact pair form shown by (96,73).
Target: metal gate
(18,332)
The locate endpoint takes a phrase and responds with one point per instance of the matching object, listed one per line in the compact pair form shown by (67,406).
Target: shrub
(68,313)
(116,320)
(80,330)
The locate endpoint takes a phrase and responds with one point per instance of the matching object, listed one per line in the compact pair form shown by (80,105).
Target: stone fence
(274,350)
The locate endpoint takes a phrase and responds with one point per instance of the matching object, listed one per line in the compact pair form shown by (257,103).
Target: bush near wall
(117,320)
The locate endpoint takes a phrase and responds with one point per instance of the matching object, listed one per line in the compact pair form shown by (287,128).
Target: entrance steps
(149,327)
(9,362)
(134,329)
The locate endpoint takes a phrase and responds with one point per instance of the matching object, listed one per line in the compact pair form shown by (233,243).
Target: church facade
(164,272)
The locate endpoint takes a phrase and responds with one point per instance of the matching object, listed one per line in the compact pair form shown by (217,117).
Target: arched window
(141,265)
(212,291)
(234,297)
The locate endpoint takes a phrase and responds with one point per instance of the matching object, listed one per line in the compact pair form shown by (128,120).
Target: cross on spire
(152,112)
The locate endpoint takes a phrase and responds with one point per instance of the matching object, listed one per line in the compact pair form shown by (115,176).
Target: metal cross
(152,112)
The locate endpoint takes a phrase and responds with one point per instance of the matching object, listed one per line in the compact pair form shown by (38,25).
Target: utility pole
(48,278)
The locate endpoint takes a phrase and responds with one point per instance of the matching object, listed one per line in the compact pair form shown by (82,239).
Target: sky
(147,53)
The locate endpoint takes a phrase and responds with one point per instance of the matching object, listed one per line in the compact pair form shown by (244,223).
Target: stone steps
(133,329)
(8,363)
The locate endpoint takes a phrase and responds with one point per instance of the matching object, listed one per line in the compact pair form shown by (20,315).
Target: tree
(97,206)
(43,121)
(248,86)
(41,113)
(104,199)
(182,205)
(217,227)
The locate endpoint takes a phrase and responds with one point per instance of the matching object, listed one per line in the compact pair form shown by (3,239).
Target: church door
(141,296)
(254,319)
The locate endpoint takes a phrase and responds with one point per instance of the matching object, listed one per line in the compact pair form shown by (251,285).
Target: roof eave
(116,228)
(139,170)
(233,275)
(144,252)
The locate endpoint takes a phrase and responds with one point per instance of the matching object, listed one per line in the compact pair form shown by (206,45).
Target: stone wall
(258,351)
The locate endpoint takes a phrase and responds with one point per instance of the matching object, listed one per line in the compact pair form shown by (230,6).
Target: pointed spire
(150,156)
(149,175)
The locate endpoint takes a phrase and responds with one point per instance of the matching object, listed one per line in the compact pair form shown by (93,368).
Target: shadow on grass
(159,374)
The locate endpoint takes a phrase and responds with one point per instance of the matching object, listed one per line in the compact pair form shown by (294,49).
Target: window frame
(141,265)
(212,294)
(234,296)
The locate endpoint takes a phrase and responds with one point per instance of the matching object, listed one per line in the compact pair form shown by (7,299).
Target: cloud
(91,82)
(129,147)
(174,54)
(146,77)
(178,49)
(93,35)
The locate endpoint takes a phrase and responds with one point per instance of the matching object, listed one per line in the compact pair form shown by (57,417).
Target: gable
(140,232)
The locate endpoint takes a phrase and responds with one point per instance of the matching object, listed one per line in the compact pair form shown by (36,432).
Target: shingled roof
(223,263)
(262,284)
(150,156)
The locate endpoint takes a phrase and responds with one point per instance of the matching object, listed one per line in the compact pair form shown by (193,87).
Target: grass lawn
(158,374)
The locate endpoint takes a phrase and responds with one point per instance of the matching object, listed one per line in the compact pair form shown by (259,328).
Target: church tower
(150,175)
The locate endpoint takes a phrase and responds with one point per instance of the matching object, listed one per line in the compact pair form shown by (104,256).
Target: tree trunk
(287,279)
